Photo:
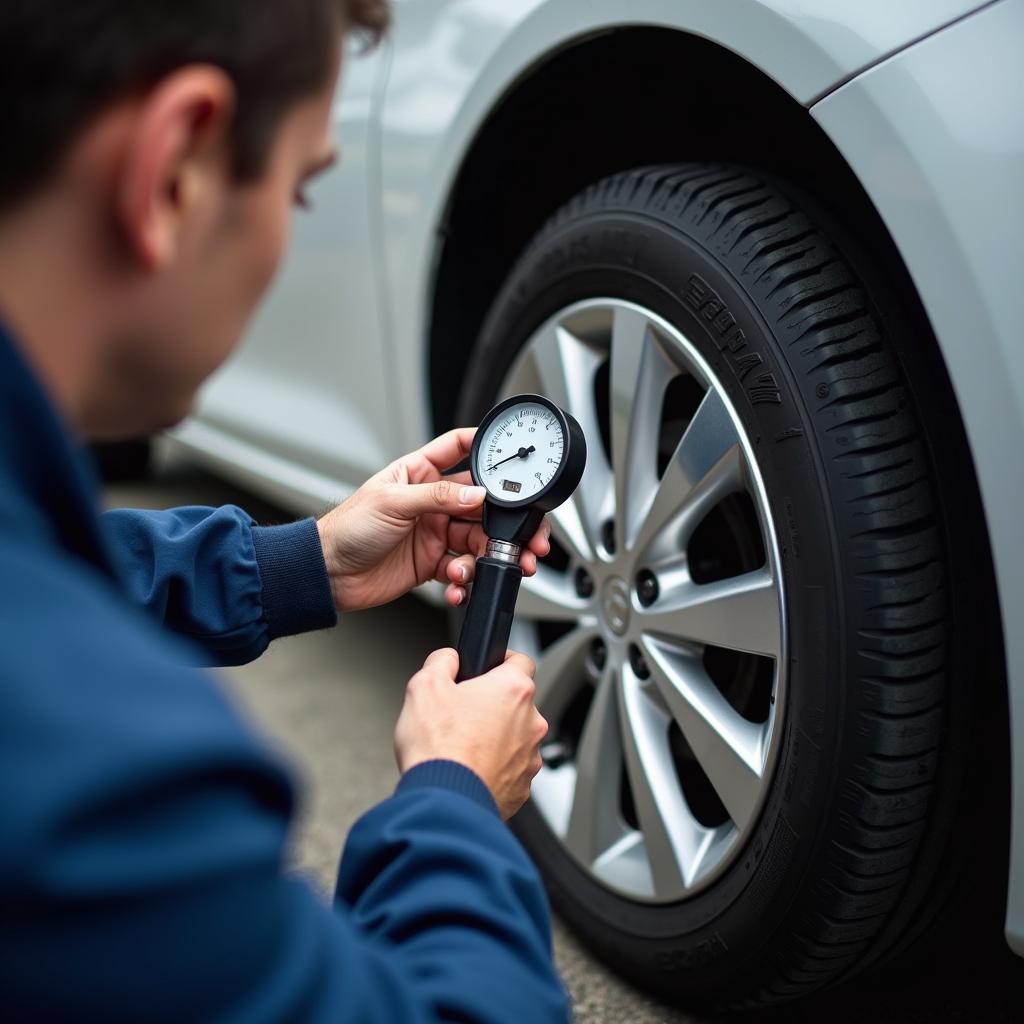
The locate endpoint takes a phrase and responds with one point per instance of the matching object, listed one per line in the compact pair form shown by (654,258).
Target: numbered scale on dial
(528,452)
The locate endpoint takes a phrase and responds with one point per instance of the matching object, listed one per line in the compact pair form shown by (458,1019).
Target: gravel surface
(329,700)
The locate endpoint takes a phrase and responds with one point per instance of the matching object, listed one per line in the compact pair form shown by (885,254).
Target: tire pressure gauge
(530,457)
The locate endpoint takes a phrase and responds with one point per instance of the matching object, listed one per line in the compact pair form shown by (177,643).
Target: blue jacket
(143,827)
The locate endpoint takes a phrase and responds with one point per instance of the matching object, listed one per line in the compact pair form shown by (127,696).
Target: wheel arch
(567,121)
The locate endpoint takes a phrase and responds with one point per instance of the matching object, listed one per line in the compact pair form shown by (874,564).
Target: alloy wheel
(658,622)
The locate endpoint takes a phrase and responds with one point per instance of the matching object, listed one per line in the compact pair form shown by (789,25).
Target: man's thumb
(445,661)
(439,496)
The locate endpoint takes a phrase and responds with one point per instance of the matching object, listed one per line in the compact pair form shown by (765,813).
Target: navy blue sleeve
(142,847)
(213,576)
(435,875)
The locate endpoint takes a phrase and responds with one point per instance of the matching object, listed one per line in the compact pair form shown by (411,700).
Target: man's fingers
(540,542)
(441,572)
(517,660)
(456,572)
(466,538)
(515,673)
(528,563)
(444,661)
(459,570)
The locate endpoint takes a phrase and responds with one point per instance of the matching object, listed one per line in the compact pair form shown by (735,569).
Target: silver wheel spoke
(566,367)
(728,748)
(550,595)
(594,823)
(639,374)
(567,528)
(560,670)
(706,465)
(740,613)
(675,840)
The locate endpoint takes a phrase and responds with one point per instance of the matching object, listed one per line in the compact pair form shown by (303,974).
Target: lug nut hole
(638,662)
(584,583)
(608,537)
(646,587)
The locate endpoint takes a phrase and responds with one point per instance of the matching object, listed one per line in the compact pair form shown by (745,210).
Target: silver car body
(921,97)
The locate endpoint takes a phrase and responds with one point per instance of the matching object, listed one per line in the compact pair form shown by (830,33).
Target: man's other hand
(409,524)
(489,724)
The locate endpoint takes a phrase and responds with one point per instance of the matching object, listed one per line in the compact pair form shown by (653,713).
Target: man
(153,150)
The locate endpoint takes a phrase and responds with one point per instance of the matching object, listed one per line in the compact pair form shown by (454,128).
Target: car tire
(769,297)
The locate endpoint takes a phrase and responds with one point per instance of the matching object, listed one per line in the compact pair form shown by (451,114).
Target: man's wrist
(333,573)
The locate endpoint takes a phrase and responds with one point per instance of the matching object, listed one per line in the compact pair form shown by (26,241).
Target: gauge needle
(521,454)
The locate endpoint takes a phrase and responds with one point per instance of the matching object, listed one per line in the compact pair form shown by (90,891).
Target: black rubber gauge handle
(485,630)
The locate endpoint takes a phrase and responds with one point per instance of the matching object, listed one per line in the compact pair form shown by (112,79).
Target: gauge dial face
(520,452)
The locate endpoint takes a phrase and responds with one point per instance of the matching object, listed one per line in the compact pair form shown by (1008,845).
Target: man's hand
(489,724)
(409,524)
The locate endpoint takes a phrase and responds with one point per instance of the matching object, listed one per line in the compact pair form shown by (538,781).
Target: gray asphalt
(329,700)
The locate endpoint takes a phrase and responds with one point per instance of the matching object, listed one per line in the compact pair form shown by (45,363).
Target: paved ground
(329,700)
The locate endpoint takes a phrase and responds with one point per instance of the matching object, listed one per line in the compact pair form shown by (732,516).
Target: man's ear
(177,149)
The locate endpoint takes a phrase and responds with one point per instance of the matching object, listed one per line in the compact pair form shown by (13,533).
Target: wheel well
(612,101)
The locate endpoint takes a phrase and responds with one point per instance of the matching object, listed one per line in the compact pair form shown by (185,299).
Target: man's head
(153,152)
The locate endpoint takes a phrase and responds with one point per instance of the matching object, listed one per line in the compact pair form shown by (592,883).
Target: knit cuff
(296,592)
(448,775)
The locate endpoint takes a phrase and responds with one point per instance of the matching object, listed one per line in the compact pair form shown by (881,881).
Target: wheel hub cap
(615,605)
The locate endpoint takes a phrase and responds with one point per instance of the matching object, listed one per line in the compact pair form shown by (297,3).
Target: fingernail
(471,495)
(463,573)
(458,596)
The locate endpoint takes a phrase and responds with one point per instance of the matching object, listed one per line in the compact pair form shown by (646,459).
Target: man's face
(189,316)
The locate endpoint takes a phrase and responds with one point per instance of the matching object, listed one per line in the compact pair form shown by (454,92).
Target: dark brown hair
(63,61)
